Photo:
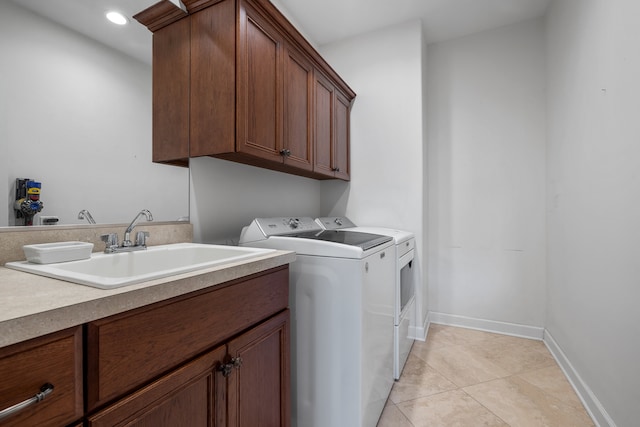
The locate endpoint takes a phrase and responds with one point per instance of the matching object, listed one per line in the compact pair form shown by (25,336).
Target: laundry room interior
(507,144)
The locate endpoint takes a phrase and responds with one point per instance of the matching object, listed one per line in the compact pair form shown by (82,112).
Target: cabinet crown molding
(160,15)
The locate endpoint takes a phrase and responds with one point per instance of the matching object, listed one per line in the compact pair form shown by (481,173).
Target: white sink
(107,271)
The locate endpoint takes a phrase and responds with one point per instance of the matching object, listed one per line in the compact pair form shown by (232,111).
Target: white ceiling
(88,17)
(323,21)
(326,21)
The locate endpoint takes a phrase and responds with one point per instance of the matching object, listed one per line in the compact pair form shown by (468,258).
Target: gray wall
(486,169)
(226,196)
(593,191)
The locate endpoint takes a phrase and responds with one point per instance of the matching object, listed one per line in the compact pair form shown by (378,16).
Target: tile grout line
(489,410)
(405,416)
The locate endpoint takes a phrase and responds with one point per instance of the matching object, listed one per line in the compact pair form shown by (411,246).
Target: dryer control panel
(335,222)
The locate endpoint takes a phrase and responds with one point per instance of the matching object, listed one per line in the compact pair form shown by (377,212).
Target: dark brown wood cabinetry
(26,367)
(234,79)
(298,110)
(185,397)
(216,357)
(170,98)
(259,392)
(332,110)
(212,390)
(259,87)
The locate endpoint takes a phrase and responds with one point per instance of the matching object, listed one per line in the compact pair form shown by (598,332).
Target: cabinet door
(323,125)
(297,110)
(192,395)
(213,80)
(258,392)
(341,140)
(259,113)
(171,94)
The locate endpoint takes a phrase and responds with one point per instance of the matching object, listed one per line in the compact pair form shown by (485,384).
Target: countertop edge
(92,304)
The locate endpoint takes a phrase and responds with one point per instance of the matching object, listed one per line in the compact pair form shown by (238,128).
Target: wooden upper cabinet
(259,120)
(298,110)
(171,94)
(342,130)
(324,97)
(234,79)
(331,118)
(212,80)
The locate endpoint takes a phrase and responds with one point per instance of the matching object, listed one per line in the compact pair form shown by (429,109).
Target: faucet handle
(141,238)
(111,241)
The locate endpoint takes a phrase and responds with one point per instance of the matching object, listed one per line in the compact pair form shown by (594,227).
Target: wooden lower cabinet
(185,397)
(26,367)
(258,392)
(218,357)
(242,383)
(214,357)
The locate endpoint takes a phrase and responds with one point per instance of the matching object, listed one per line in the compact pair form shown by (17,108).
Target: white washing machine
(341,319)
(404,286)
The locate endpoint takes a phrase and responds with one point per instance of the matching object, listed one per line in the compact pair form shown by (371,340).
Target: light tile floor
(463,377)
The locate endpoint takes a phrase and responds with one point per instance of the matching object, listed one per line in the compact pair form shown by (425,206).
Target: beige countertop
(32,305)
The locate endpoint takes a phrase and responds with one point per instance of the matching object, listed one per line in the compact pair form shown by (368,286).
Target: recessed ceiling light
(117,18)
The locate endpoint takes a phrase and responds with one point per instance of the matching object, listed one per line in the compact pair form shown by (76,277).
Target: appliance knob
(294,223)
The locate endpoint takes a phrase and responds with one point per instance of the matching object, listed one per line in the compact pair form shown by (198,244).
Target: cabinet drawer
(25,367)
(131,349)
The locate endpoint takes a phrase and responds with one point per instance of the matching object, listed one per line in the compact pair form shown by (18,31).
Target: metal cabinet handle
(45,390)
(285,152)
(335,169)
(226,368)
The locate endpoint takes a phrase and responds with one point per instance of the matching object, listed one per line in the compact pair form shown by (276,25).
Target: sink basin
(107,271)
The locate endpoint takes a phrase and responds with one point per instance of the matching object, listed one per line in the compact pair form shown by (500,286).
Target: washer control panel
(286,225)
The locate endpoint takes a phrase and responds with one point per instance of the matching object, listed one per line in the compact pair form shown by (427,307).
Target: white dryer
(341,319)
(403,285)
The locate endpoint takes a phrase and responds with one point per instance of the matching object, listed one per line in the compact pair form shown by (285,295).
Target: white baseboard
(420,332)
(513,329)
(593,406)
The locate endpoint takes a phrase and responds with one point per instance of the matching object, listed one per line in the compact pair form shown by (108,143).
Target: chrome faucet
(85,214)
(127,242)
(111,239)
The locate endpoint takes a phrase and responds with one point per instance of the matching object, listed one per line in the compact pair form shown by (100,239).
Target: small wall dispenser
(28,201)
